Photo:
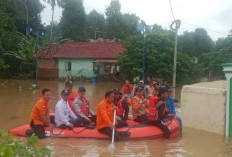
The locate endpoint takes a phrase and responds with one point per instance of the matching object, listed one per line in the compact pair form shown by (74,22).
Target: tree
(188,71)
(24,56)
(13,24)
(159,58)
(73,21)
(96,22)
(129,24)
(195,43)
(114,19)
(212,61)
(53,3)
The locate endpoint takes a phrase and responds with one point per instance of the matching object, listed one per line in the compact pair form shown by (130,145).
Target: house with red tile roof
(78,59)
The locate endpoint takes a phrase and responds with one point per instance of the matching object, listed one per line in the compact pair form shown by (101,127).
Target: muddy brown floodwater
(17,99)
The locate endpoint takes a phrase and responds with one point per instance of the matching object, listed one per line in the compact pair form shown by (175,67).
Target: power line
(171,10)
(208,29)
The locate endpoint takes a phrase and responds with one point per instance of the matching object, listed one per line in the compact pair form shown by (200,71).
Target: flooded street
(17,99)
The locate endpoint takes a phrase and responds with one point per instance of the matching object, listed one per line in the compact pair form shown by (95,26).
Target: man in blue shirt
(170,104)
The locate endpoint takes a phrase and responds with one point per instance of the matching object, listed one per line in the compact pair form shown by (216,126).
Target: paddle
(111,146)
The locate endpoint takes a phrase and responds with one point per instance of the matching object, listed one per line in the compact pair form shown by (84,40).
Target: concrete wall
(79,67)
(203,106)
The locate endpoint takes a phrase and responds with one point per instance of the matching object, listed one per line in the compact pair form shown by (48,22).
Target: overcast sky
(213,15)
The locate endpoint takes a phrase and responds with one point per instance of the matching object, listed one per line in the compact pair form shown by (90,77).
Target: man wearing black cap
(64,117)
(82,108)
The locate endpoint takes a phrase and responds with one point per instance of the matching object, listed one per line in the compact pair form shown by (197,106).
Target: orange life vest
(138,107)
(84,106)
(119,108)
(72,97)
(127,89)
(153,112)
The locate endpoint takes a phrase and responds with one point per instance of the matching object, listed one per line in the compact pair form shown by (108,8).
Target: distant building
(78,59)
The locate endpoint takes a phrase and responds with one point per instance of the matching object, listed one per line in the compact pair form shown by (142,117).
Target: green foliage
(212,61)
(114,19)
(10,148)
(195,43)
(119,25)
(15,48)
(73,21)
(187,70)
(129,24)
(23,57)
(96,22)
(158,59)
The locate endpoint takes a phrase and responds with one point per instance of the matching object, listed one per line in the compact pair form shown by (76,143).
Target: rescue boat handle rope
(75,132)
(135,126)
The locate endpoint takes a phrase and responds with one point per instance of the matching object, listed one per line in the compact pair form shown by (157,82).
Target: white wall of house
(79,67)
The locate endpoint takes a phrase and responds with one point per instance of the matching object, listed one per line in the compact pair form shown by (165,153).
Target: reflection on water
(17,99)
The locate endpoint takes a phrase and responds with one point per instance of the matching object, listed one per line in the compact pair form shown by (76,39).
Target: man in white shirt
(64,117)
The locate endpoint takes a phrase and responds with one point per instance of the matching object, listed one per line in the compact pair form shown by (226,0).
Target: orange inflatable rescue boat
(137,130)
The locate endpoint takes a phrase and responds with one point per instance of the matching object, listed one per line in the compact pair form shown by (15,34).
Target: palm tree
(53,4)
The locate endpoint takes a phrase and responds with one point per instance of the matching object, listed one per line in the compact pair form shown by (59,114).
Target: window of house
(68,66)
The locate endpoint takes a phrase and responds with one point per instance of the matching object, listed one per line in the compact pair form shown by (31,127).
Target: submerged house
(78,59)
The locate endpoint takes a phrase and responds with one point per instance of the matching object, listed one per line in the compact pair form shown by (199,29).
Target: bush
(10,148)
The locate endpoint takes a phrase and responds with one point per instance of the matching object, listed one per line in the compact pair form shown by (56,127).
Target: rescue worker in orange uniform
(105,115)
(82,108)
(73,94)
(40,117)
(127,88)
(140,107)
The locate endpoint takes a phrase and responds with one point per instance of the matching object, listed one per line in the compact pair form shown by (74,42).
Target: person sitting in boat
(73,94)
(170,104)
(149,89)
(64,116)
(40,114)
(139,107)
(127,88)
(158,113)
(82,108)
(120,108)
(105,116)
(139,85)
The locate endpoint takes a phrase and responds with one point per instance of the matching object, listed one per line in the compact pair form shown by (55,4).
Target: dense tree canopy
(17,47)
(195,43)
(96,22)
(73,21)
(158,60)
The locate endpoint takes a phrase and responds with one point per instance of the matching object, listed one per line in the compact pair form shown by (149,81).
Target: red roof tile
(82,50)
(104,61)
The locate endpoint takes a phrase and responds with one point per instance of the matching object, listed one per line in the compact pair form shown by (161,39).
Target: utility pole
(177,26)
(144,76)
(35,33)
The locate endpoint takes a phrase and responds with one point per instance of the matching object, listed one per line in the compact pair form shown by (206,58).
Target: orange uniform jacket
(105,114)
(72,96)
(138,108)
(127,89)
(41,108)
